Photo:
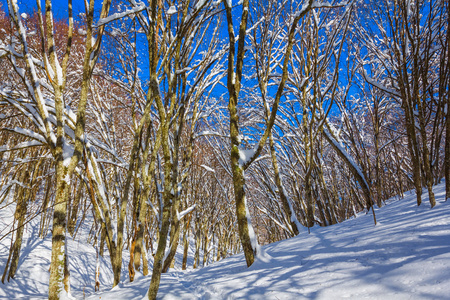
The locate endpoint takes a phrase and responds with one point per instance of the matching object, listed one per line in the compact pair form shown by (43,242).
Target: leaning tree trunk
(287,206)
(356,172)
(19,215)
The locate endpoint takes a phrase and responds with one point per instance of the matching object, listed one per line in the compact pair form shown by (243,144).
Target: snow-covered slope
(405,256)
(31,280)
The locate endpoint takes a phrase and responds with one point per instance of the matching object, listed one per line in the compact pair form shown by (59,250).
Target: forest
(217,126)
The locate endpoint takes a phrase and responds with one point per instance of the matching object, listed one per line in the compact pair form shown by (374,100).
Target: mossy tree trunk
(234,78)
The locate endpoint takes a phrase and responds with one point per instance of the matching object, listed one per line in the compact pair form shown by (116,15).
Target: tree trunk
(287,206)
(447,153)
(73,211)
(138,250)
(174,235)
(158,261)
(197,244)
(168,196)
(116,261)
(205,246)
(245,228)
(310,203)
(186,241)
(58,259)
(131,270)
(447,120)
(415,159)
(19,215)
(234,75)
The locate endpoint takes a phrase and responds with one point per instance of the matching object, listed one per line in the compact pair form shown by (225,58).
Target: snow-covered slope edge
(406,256)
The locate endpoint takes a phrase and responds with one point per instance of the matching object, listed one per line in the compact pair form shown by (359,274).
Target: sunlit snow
(405,256)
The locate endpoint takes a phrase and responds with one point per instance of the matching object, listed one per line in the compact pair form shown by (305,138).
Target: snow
(59,71)
(120,15)
(68,151)
(349,158)
(209,169)
(185,212)
(306,6)
(326,4)
(172,10)
(21,146)
(379,85)
(405,256)
(29,133)
(207,133)
(32,278)
(199,4)
(245,155)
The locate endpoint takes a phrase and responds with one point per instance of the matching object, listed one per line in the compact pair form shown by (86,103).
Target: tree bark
(186,241)
(19,215)
(447,121)
(58,258)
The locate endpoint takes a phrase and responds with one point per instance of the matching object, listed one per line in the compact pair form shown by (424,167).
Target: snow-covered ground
(405,256)
(31,280)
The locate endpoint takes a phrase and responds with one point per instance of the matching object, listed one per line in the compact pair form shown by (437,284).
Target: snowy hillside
(406,256)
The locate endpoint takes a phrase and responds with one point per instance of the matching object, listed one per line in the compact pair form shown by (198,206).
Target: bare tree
(406,59)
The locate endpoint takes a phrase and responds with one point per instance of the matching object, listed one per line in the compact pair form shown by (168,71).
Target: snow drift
(405,256)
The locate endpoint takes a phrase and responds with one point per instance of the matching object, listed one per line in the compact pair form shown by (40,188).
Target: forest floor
(405,256)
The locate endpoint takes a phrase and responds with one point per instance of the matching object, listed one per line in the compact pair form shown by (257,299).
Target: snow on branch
(209,133)
(185,212)
(353,167)
(27,133)
(376,84)
(340,148)
(208,168)
(117,16)
(327,4)
(20,146)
